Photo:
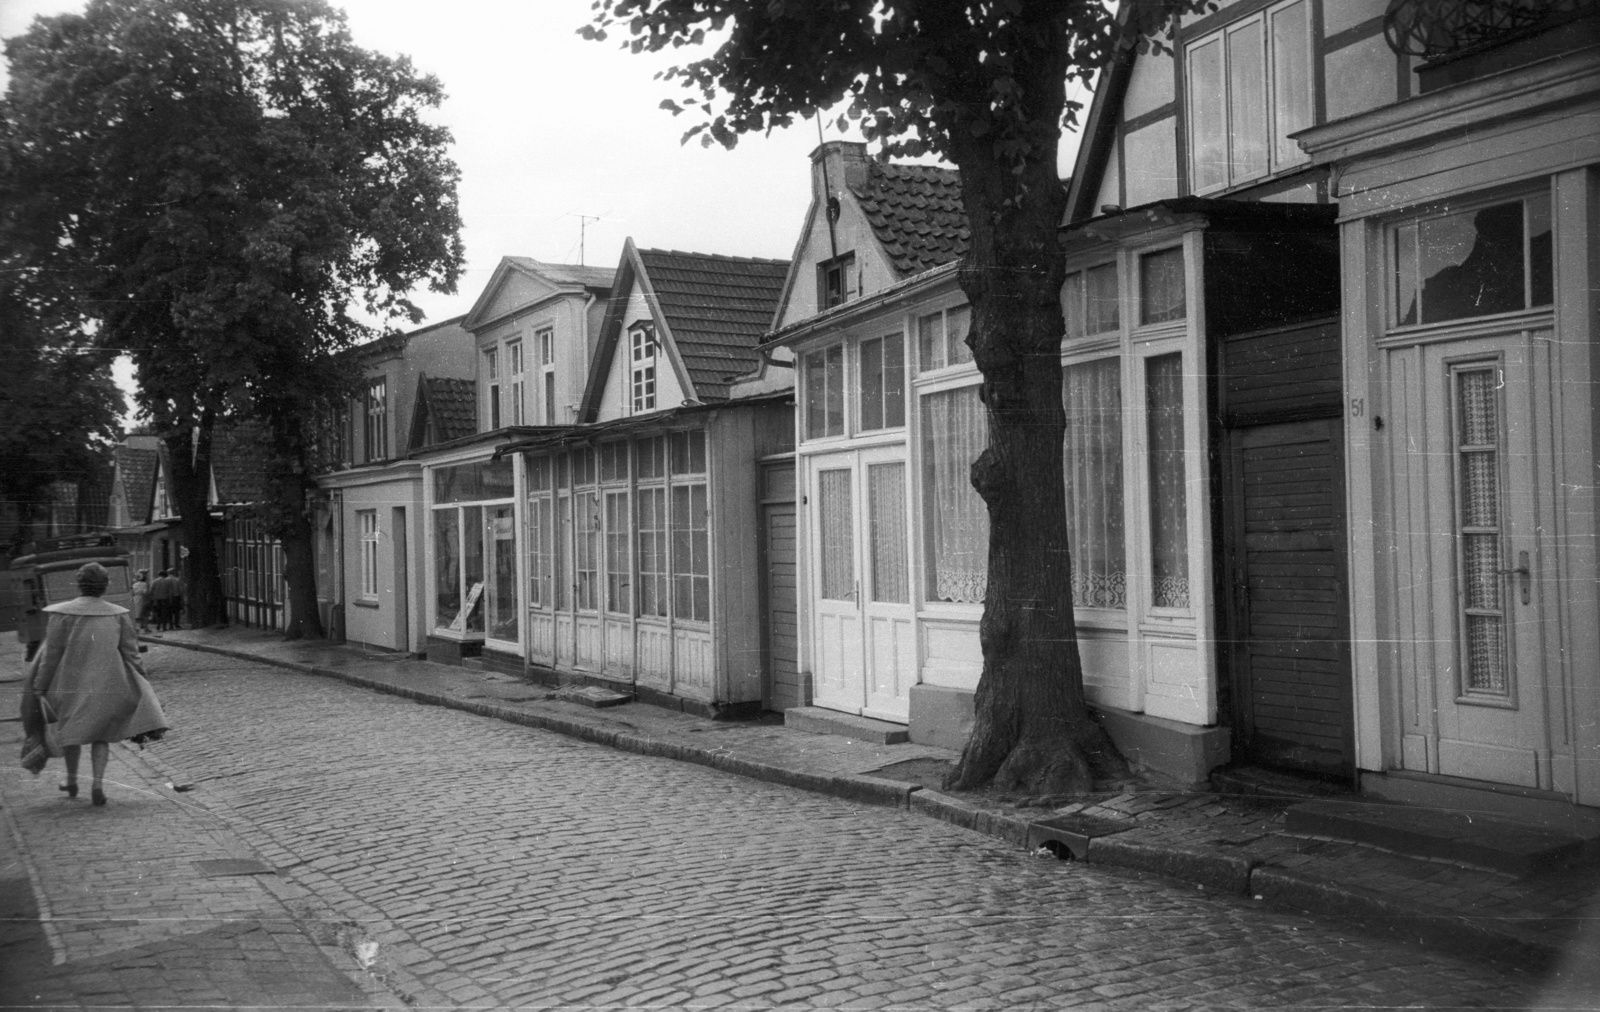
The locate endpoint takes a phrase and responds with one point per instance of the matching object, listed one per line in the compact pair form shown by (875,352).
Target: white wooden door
(838,675)
(864,652)
(1490,576)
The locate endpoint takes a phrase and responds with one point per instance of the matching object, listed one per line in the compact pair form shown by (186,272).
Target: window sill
(1467,326)
(366,602)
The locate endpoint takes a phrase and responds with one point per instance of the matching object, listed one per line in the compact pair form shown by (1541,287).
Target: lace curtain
(955,431)
(835,525)
(1092,460)
(886,514)
(1169,514)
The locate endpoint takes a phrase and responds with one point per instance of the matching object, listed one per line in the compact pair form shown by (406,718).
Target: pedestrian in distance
(88,676)
(141,600)
(161,599)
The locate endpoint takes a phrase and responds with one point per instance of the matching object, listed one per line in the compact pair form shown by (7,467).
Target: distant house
(140,512)
(252,561)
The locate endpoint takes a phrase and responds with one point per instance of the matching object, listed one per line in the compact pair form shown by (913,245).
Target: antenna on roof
(583,226)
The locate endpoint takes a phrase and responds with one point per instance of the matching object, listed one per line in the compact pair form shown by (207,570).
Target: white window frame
(375,430)
(821,355)
(514,370)
(1281,155)
(367,522)
(643,374)
(547,372)
(491,369)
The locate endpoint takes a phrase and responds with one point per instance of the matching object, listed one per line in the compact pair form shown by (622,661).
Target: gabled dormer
(533,329)
(679,327)
(445,409)
(1217,114)
(162,498)
(133,481)
(871,224)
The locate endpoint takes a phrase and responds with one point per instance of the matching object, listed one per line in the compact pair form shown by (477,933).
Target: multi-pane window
(942,338)
(375,430)
(653,568)
(1249,88)
(491,375)
(642,371)
(836,281)
(825,392)
(1161,287)
(1092,462)
(955,431)
(368,520)
(883,383)
(1463,263)
(619,598)
(515,366)
(547,367)
(540,533)
(691,553)
(1090,301)
(586,549)
(474,539)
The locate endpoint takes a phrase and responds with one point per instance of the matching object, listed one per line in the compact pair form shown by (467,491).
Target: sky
(563,147)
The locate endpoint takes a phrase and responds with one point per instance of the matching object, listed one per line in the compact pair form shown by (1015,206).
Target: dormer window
(1249,88)
(643,367)
(836,281)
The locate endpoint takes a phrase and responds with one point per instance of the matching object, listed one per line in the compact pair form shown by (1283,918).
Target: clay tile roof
(452,405)
(137,469)
(238,462)
(916,213)
(571,274)
(717,308)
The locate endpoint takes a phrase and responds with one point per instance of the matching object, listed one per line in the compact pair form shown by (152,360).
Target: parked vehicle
(45,577)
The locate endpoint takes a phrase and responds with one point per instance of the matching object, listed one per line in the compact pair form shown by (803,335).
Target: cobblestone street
(477,862)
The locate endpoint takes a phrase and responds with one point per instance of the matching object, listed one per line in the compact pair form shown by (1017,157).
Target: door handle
(1526,574)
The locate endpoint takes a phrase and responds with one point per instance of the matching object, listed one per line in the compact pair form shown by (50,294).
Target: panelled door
(1285,552)
(864,656)
(1482,560)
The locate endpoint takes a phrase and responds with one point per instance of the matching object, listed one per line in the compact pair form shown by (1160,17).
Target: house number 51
(1358,407)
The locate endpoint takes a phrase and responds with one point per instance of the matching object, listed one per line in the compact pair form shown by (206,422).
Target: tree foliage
(219,185)
(981,83)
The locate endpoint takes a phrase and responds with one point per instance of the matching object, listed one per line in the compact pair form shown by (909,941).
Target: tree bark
(189,456)
(1032,733)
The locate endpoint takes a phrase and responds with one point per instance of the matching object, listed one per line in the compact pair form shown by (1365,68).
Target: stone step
(817,720)
(1445,834)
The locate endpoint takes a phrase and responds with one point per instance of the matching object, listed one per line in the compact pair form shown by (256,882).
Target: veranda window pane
(1102,298)
(691,561)
(1472,263)
(1541,277)
(446,566)
(503,606)
(956,521)
(886,519)
(894,382)
(930,342)
(653,551)
(1092,460)
(472,557)
(1208,117)
(1291,80)
(563,539)
(1072,295)
(1405,275)
(958,322)
(835,392)
(619,595)
(1161,291)
(1169,513)
(816,396)
(871,385)
(587,548)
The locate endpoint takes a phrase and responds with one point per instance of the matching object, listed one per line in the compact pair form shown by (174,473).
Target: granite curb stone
(1232,873)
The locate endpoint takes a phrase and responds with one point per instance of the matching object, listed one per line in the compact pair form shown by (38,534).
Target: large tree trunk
(189,456)
(1033,733)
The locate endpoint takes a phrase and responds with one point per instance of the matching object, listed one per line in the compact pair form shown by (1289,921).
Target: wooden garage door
(1286,555)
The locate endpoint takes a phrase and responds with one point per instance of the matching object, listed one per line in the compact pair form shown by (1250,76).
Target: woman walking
(89,676)
(141,600)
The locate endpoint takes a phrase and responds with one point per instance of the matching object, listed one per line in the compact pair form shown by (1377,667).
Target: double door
(863,650)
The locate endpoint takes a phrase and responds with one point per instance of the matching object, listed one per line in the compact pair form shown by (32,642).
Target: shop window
(1161,287)
(1169,514)
(1461,264)
(368,520)
(1092,462)
(691,554)
(942,338)
(954,432)
(836,281)
(883,383)
(502,568)
(474,542)
(1249,88)
(825,392)
(1090,301)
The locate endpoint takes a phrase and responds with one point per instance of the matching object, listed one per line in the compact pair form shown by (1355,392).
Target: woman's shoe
(70,789)
(97,796)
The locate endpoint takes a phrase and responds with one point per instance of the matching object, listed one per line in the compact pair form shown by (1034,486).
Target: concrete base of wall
(443,651)
(1186,753)
(542,675)
(818,720)
(1180,752)
(941,717)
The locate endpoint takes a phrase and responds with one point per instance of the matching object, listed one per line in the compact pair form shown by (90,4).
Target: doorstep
(818,720)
